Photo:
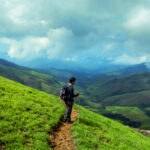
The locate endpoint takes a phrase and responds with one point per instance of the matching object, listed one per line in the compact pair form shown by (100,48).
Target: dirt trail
(61,138)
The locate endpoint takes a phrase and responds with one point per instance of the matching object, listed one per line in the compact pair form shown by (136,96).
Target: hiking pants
(69,105)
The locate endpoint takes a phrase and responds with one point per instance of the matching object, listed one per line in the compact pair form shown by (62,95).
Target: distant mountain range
(124,98)
(60,75)
(106,89)
(125,70)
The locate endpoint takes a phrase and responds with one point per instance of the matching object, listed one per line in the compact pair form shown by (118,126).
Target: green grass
(31,78)
(147,108)
(97,132)
(132,113)
(124,91)
(139,99)
(95,92)
(26,116)
(102,87)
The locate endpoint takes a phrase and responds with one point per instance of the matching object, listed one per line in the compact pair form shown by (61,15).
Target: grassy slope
(31,78)
(97,132)
(27,116)
(141,98)
(40,81)
(100,88)
(131,90)
(96,88)
(133,113)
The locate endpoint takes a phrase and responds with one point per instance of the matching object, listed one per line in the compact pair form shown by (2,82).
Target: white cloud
(128,60)
(57,42)
(64,42)
(108,46)
(51,29)
(16,14)
(139,21)
(28,47)
(137,27)
(61,40)
(74,59)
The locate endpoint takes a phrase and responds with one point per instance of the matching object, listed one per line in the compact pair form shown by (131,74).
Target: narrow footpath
(61,138)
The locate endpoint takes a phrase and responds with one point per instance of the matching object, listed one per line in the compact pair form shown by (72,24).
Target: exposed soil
(2,147)
(60,138)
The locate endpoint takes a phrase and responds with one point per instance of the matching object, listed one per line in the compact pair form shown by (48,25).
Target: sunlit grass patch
(97,132)
(26,116)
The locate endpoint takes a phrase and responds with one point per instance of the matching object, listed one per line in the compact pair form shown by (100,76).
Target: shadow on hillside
(123,119)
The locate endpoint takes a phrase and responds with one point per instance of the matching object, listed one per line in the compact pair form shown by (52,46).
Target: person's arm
(72,93)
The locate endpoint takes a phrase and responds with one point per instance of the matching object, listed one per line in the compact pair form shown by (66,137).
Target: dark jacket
(71,93)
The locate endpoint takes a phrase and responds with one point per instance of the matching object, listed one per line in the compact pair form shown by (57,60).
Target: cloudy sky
(76,31)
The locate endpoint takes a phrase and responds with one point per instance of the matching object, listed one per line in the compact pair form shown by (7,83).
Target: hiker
(67,95)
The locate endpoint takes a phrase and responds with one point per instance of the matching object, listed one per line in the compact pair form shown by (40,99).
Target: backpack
(64,93)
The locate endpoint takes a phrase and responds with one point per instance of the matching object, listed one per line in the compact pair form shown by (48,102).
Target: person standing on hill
(67,95)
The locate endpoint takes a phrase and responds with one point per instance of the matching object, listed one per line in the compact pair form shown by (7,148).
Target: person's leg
(67,108)
(65,116)
(68,111)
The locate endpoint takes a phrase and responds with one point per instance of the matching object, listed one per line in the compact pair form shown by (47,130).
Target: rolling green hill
(60,75)
(97,93)
(28,116)
(139,99)
(51,82)
(136,117)
(125,93)
(29,77)
(102,87)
